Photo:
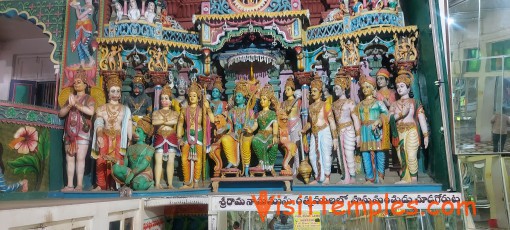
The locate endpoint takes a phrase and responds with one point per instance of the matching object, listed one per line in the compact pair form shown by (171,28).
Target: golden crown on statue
(405,77)
(114,80)
(342,79)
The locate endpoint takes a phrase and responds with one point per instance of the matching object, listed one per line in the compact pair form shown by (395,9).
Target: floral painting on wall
(24,154)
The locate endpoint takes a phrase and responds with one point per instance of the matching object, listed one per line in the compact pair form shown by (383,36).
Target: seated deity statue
(137,172)
(150,13)
(265,142)
(133,12)
(119,11)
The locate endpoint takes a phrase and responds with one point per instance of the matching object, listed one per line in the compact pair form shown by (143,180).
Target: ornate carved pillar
(125,8)
(300,58)
(143,8)
(207,61)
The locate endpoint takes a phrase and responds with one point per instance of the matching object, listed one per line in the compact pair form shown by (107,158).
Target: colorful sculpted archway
(47,15)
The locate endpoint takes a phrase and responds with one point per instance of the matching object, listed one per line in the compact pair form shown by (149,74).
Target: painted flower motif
(11,113)
(25,140)
(31,116)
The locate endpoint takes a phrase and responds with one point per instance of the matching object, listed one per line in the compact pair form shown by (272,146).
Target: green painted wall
(417,13)
(56,158)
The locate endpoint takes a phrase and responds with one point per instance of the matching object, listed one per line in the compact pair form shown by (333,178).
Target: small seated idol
(150,13)
(265,142)
(165,139)
(346,122)
(409,116)
(324,135)
(119,12)
(133,12)
(137,174)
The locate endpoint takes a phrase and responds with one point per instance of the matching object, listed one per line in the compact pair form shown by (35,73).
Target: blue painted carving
(150,31)
(220,7)
(352,24)
(206,32)
(297,28)
(325,31)
(195,58)
(375,19)
(158,33)
(170,35)
(278,6)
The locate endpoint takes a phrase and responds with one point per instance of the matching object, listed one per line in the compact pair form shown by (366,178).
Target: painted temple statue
(165,138)
(408,119)
(112,134)
(212,94)
(136,172)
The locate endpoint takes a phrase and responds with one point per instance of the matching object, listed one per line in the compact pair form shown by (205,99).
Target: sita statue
(239,117)
(265,142)
(346,123)
(324,135)
(409,116)
(112,133)
(165,140)
(194,122)
(138,102)
(373,131)
(78,110)
(137,173)
(292,107)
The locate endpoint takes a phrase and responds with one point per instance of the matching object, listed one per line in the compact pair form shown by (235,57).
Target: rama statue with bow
(193,130)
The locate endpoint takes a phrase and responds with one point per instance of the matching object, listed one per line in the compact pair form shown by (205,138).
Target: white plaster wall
(464,35)
(10,48)
(70,214)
